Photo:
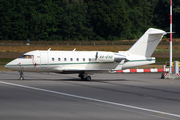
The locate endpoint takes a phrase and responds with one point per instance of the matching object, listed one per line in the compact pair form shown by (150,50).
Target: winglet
(49,49)
(74,49)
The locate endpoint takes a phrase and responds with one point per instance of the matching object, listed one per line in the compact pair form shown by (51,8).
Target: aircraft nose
(10,64)
(13,65)
(7,65)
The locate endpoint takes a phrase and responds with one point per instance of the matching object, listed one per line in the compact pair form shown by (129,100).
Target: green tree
(6,8)
(162,18)
(108,17)
(43,20)
(84,19)
(75,23)
(141,14)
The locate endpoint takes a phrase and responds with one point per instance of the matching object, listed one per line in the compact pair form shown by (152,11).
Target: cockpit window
(27,56)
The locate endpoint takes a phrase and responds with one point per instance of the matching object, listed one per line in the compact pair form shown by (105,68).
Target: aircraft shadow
(73,79)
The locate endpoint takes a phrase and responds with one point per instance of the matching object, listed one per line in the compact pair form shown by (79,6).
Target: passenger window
(65,59)
(77,59)
(83,59)
(59,59)
(71,59)
(89,59)
(52,59)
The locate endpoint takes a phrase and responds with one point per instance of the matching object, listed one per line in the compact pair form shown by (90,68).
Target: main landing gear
(21,75)
(85,77)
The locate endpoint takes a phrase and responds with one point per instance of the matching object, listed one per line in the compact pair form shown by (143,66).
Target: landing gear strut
(85,77)
(21,75)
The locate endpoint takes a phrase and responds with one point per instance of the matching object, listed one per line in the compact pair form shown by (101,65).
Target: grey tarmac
(44,96)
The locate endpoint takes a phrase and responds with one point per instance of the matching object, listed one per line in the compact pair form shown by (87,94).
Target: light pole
(170,52)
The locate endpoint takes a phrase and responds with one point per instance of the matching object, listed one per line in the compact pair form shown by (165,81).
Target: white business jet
(86,63)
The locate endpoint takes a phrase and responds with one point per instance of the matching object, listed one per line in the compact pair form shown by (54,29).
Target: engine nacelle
(105,57)
(108,57)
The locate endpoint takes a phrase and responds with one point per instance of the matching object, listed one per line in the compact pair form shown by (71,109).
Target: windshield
(27,56)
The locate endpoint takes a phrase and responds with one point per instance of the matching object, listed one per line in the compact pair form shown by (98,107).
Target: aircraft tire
(88,78)
(21,78)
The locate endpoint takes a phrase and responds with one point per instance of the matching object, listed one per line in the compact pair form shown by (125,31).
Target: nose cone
(11,65)
(7,65)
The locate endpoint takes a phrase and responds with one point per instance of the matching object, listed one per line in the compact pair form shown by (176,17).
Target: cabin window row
(71,59)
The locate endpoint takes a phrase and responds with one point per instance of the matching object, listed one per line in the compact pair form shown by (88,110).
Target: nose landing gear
(21,75)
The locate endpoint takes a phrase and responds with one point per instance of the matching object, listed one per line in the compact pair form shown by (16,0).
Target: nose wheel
(21,75)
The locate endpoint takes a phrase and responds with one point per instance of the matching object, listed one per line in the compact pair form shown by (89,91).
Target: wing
(81,70)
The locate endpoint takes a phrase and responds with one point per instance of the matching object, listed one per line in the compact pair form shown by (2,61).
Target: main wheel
(88,78)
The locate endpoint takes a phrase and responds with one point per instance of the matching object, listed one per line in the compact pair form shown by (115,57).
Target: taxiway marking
(92,99)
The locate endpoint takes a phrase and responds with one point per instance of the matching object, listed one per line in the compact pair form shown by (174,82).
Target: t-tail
(140,53)
(148,42)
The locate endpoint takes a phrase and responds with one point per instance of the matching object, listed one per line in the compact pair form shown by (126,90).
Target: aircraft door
(44,60)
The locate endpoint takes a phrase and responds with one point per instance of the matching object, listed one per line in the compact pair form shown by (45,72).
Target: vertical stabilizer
(148,42)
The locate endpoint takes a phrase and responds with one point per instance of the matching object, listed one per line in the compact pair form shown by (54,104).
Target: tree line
(84,19)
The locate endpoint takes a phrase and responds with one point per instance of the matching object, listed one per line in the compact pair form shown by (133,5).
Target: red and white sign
(143,70)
